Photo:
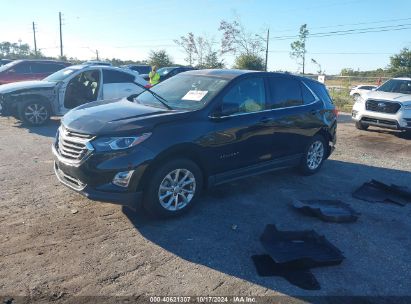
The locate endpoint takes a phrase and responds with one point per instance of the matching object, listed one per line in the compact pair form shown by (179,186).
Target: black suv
(195,130)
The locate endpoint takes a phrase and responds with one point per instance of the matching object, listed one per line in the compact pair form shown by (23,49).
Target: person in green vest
(154,76)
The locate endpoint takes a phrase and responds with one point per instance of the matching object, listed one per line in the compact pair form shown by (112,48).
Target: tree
(188,43)
(298,49)
(401,63)
(159,58)
(17,51)
(249,62)
(200,51)
(211,61)
(237,40)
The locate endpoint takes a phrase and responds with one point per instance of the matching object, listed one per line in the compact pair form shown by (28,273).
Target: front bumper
(95,183)
(398,121)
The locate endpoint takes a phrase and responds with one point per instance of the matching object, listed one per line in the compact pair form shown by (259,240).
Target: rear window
(284,92)
(111,76)
(321,91)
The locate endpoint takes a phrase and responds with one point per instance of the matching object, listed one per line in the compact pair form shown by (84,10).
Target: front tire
(173,189)
(314,156)
(34,113)
(360,126)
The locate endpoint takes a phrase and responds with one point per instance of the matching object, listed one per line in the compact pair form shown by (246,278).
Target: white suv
(359,90)
(389,106)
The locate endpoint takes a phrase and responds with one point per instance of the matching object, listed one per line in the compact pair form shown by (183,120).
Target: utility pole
(97,54)
(61,37)
(266,49)
(35,42)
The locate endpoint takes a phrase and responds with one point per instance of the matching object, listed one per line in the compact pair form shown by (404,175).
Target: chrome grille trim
(73,147)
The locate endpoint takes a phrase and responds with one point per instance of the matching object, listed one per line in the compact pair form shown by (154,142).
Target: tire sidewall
(25,104)
(304,166)
(151,202)
(360,126)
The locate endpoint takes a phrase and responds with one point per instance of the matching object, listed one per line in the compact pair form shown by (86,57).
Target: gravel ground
(56,243)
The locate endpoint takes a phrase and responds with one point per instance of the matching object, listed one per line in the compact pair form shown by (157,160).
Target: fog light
(122,179)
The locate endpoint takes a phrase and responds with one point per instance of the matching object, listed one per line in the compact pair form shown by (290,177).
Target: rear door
(295,115)
(117,84)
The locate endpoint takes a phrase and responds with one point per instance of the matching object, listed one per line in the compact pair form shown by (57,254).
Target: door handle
(313,112)
(127,90)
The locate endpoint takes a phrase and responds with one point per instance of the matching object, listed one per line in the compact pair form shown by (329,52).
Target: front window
(396,86)
(185,92)
(62,74)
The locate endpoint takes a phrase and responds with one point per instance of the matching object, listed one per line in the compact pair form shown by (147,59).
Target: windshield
(8,65)
(184,92)
(396,86)
(62,74)
(164,71)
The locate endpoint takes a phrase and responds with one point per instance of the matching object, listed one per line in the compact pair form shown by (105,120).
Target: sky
(129,29)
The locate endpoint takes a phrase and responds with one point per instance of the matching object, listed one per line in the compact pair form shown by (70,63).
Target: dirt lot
(46,250)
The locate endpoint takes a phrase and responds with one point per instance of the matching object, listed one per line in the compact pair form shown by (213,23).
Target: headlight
(118,143)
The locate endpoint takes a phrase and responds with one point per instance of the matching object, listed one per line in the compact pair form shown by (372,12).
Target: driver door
(66,89)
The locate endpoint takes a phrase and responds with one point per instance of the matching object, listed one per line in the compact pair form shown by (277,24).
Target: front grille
(379,121)
(382,106)
(73,146)
(408,120)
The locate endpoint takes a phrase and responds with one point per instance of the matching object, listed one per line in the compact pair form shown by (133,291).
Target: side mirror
(229,109)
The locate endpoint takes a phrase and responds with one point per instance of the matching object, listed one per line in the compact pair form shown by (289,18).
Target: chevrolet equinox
(200,128)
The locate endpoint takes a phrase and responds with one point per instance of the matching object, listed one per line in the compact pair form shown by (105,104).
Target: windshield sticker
(195,95)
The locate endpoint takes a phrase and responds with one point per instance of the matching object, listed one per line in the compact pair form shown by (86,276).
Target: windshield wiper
(162,100)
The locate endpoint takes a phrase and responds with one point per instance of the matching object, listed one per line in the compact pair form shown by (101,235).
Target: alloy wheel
(177,189)
(315,155)
(36,113)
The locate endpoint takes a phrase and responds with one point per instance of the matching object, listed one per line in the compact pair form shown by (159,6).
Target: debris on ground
(302,278)
(74,211)
(291,254)
(378,192)
(327,210)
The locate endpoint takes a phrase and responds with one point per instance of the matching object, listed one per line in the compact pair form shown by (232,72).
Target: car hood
(118,116)
(25,85)
(380,95)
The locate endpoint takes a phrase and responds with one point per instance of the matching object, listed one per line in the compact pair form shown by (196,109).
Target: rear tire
(314,155)
(34,113)
(173,188)
(360,126)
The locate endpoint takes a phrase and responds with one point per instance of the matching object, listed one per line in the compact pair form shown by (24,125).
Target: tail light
(335,112)
(147,86)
